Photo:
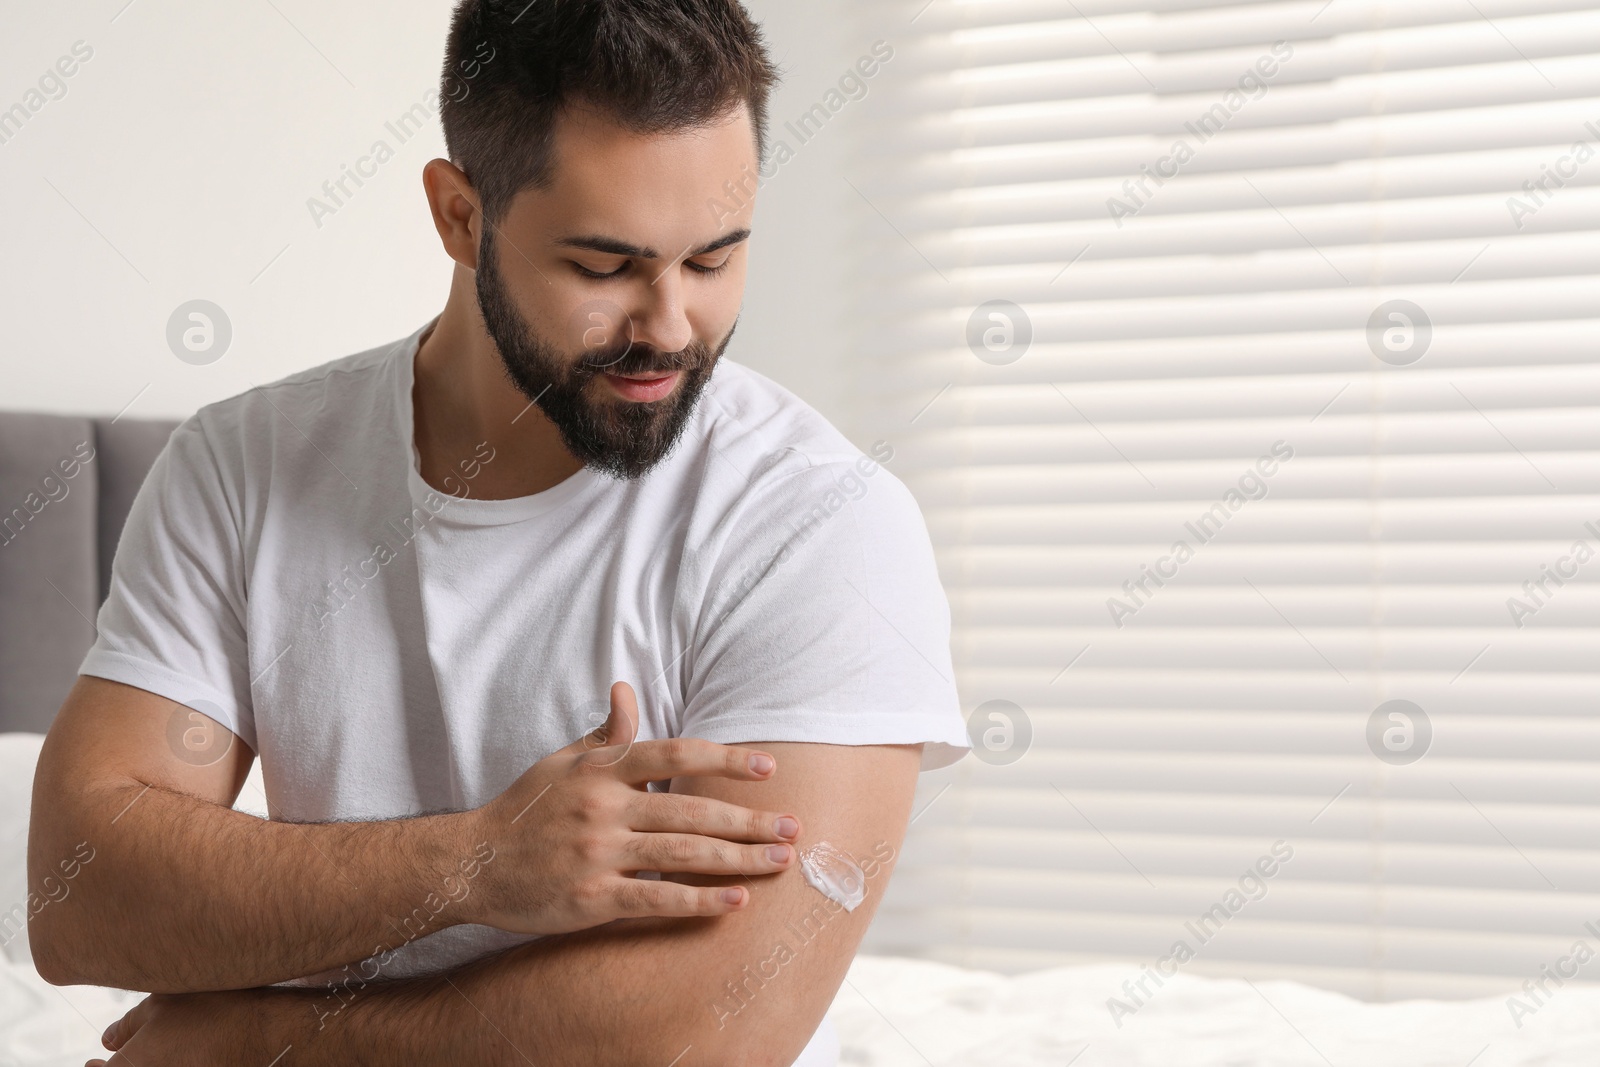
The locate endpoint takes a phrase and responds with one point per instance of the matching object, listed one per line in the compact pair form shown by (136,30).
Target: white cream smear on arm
(834,875)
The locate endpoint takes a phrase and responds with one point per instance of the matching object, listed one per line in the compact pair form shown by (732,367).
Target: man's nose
(660,320)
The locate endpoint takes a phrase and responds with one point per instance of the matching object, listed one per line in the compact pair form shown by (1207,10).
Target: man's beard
(624,439)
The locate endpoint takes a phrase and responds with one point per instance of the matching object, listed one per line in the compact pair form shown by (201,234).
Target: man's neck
(461,398)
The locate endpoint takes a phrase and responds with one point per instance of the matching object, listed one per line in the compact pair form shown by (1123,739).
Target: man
(408,579)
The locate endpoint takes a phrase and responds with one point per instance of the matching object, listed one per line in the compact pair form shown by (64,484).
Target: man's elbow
(51,972)
(51,958)
(62,957)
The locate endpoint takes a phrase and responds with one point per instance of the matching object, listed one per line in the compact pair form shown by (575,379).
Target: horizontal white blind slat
(1429,151)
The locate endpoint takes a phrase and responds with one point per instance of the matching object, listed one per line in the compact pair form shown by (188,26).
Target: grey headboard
(60,517)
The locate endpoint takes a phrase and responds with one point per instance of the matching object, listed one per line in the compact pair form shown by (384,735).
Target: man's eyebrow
(615,247)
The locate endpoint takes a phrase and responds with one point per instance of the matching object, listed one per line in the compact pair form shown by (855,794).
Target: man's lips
(643,388)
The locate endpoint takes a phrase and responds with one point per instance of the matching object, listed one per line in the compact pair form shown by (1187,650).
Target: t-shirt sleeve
(174,621)
(826,621)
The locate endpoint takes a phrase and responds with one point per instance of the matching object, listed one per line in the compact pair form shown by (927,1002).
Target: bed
(893,1012)
(912,1013)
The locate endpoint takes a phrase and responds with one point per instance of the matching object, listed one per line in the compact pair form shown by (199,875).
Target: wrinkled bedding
(905,1012)
(894,1012)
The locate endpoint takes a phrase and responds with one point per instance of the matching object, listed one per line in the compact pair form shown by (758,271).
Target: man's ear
(457,210)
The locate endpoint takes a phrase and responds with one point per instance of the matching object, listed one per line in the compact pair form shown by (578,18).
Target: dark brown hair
(655,66)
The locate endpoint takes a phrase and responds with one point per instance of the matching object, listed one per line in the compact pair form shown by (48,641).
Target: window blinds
(1243,358)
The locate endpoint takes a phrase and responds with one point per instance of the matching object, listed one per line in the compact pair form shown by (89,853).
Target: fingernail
(105,1038)
(787,826)
(778,853)
(732,896)
(761,763)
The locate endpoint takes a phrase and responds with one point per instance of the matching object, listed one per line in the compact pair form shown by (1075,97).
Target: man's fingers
(622,725)
(635,897)
(689,853)
(677,813)
(693,757)
(116,1035)
(619,729)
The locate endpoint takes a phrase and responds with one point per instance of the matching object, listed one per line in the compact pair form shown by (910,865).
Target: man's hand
(203,1029)
(573,830)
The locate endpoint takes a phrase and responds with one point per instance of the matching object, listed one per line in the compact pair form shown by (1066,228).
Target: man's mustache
(642,359)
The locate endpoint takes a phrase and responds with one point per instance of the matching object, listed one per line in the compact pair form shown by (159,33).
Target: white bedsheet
(894,1012)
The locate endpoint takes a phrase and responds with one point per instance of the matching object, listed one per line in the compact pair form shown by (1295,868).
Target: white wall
(179,162)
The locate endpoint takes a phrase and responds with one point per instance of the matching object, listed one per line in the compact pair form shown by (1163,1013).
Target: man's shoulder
(769,457)
(757,428)
(327,418)
(320,392)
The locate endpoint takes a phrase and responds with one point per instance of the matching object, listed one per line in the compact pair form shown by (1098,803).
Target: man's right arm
(182,892)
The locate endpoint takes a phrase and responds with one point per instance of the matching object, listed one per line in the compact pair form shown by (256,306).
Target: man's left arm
(748,988)
(741,989)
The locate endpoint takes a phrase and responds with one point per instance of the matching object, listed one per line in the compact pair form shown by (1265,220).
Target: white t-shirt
(387,649)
